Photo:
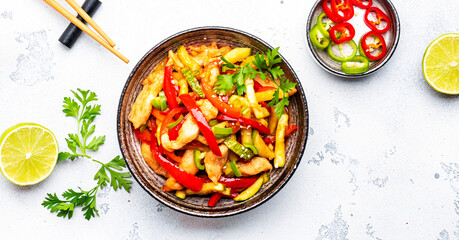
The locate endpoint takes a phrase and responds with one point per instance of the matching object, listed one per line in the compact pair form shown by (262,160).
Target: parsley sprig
(85,115)
(266,68)
(111,172)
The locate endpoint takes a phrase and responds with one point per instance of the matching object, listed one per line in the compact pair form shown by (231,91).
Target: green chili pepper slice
(251,147)
(172,125)
(234,168)
(213,122)
(197,159)
(160,102)
(343,57)
(220,132)
(358,64)
(318,39)
(324,27)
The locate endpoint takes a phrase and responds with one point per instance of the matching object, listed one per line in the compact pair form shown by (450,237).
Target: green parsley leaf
(85,114)
(117,179)
(265,64)
(224,82)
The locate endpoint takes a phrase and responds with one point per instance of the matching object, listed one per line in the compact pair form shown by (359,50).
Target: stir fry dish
(333,33)
(213,120)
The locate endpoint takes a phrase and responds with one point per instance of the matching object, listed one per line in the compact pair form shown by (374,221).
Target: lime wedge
(441,64)
(28,153)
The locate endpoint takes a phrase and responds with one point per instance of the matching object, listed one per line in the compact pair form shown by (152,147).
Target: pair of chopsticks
(107,43)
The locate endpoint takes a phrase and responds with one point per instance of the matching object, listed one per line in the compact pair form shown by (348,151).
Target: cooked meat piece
(254,166)
(210,112)
(141,109)
(214,164)
(188,166)
(151,161)
(187,133)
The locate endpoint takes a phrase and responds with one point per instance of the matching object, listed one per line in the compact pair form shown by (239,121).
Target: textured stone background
(381,161)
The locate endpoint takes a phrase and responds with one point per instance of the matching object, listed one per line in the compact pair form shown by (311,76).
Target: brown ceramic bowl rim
(237,211)
(341,73)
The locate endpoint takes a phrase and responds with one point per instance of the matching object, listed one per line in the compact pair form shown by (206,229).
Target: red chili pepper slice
(169,88)
(214,199)
(190,104)
(380,15)
(144,136)
(329,11)
(342,6)
(368,48)
(219,104)
(289,130)
(347,32)
(245,122)
(361,3)
(238,182)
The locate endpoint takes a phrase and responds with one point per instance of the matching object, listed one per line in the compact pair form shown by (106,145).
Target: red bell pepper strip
(214,199)
(342,6)
(169,89)
(269,139)
(380,15)
(260,88)
(328,11)
(173,132)
(368,48)
(184,178)
(168,119)
(172,156)
(224,98)
(361,4)
(235,182)
(219,104)
(204,178)
(144,136)
(203,125)
(289,130)
(194,144)
(245,122)
(347,32)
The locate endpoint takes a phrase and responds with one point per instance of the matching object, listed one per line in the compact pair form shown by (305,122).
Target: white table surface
(381,161)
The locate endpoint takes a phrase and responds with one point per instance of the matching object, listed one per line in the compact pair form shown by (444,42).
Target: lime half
(28,153)
(441,64)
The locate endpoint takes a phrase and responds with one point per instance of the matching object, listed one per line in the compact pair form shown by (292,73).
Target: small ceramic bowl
(130,145)
(391,37)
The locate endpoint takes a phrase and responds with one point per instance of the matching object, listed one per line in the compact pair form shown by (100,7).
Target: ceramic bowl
(391,37)
(130,145)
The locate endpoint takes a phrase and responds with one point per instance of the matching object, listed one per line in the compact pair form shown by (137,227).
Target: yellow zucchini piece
(258,111)
(268,95)
(279,149)
(208,188)
(260,145)
(186,59)
(249,59)
(272,121)
(237,54)
(250,191)
(180,194)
